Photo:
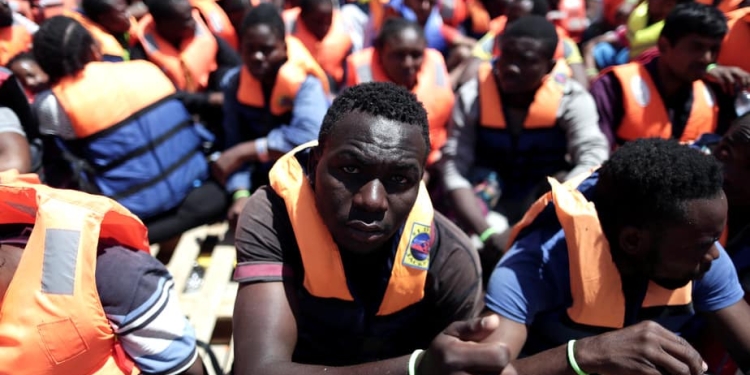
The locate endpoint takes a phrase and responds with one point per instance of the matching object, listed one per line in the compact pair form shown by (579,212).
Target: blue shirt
(531,285)
(310,106)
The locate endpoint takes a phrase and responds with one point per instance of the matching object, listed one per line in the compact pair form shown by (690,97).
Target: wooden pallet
(209,308)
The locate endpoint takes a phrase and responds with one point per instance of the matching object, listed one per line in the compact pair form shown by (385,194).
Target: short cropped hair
(264,14)
(694,18)
(62,47)
(392,27)
(535,27)
(646,183)
(380,99)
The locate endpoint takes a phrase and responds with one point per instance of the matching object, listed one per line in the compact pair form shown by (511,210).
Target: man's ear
(634,242)
(663,44)
(312,162)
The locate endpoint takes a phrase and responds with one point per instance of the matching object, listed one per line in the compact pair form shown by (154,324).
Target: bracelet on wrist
(488,233)
(239,194)
(572,358)
(413,361)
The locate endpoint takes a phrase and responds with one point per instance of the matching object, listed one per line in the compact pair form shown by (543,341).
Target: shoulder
(576,97)
(453,248)
(9,122)
(231,79)
(719,287)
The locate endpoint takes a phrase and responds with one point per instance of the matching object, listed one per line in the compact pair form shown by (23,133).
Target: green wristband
(239,194)
(710,67)
(572,359)
(487,233)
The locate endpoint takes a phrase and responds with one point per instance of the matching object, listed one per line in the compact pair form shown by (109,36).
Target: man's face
(422,8)
(262,51)
(684,251)
(319,19)
(402,56)
(689,57)
(180,26)
(734,154)
(367,178)
(117,19)
(522,65)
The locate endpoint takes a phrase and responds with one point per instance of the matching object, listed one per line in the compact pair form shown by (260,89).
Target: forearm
(465,203)
(395,366)
(246,151)
(550,362)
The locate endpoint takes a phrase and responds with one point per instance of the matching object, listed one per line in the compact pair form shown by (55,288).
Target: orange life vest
(190,66)
(324,272)
(217,20)
(330,52)
(736,40)
(543,110)
(14,39)
(573,19)
(108,44)
(595,282)
(645,115)
(725,6)
(94,110)
(433,89)
(51,319)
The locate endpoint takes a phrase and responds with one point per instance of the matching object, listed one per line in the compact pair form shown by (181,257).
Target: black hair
(392,27)
(62,47)
(694,18)
(307,6)
(95,8)
(381,99)
(264,14)
(162,9)
(646,184)
(539,7)
(20,57)
(534,27)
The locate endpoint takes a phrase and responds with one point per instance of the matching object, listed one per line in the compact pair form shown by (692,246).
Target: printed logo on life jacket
(418,253)
(641,91)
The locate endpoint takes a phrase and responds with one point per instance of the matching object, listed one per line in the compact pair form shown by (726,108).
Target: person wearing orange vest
(665,97)
(66,309)
(344,265)
(175,38)
(400,55)
(520,120)
(321,29)
(605,272)
(110,23)
(14,37)
(216,20)
(141,148)
(274,102)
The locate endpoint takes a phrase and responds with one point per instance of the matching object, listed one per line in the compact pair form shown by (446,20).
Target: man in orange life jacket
(14,37)
(605,272)
(109,22)
(79,291)
(665,97)
(321,29)
(175,38)
(519,121)
(343,262)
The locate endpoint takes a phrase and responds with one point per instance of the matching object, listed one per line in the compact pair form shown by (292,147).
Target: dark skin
(14,152)
(734,154)
(263,53)
(684,252)
(318,19)
(682,63)
(422,8)
(366,179)
(179,26)
(31,75)
(401,57)
(10,257)
(519,74)
(116,20)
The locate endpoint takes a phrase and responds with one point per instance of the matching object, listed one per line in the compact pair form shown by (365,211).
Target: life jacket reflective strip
(324,271)
(14,39)
(108,44)
(289,78)
(217,21)
(543,110)
(51,318)
(188,68)
(645,115)
(432,89)
(595,282)
(92,110)
(330,52)
(737,38)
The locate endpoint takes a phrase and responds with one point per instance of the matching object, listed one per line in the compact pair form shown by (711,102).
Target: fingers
(689,361)
(476,329)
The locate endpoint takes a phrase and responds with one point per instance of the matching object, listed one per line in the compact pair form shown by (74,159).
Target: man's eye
(350,169)
(399,179)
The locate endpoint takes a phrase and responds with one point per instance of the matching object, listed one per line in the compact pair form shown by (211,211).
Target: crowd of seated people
(415,186)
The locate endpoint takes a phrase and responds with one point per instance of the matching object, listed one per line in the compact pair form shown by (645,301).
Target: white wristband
(413,361)
(261,149)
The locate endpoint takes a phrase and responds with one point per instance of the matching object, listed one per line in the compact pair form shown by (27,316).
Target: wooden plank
(212,291)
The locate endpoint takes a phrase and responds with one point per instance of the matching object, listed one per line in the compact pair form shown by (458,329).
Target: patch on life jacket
(641,91)
(420,242)
(560,78)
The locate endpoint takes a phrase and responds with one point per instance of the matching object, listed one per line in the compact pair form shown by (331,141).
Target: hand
(216,99)
(457,350)
(226,164)
(643,349)
(729,78)
(235,210)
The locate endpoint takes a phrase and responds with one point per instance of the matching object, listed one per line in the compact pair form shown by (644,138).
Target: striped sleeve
(144,311)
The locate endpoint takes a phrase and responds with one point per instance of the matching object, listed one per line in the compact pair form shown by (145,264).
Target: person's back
(86,295)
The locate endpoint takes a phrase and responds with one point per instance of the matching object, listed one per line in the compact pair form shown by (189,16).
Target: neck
(520,100)
(669,81)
